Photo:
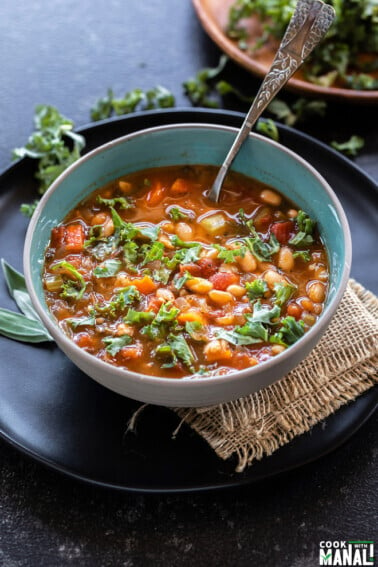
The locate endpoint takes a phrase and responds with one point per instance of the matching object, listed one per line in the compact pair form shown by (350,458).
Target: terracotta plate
(213,15)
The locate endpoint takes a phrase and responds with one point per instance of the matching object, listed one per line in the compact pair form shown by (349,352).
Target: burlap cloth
(342,366)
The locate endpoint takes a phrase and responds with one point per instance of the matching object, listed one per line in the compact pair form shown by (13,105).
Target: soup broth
(150,275)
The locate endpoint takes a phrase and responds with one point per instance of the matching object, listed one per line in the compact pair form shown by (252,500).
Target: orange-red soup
(149,275)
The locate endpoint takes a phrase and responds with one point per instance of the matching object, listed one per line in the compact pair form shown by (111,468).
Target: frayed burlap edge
(257,425)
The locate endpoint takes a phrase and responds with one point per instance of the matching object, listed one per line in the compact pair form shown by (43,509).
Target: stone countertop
(67,54)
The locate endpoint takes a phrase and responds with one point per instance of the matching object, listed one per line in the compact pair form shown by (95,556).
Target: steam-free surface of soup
(149,275)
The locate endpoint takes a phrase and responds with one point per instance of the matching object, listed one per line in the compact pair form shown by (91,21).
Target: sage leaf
(20,328)
(13,278)
(17,289)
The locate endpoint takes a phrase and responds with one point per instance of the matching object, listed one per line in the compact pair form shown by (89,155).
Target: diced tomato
(221,280)
(283,231)
(193,269)
(208,267)
(154,304)
(155,195)
(180,186)
(69,238)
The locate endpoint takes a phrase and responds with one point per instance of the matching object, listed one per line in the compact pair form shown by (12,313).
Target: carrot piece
(180,186)
(155,195)
(144,285)
(74,238)
(189,316)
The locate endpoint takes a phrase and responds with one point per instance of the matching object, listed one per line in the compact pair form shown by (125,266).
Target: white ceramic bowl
(259,157)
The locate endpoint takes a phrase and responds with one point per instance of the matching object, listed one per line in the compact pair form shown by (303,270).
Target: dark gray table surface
(67,53)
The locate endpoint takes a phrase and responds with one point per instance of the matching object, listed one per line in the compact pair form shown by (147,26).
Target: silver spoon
(307,27)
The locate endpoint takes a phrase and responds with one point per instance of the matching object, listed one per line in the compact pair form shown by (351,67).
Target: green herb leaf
(180,281)
(303,255)
(351,147)
(165,319)
(107,269)
(149,231)
(289,332)
(125,296)
(27,209)
(236,338)
(253,329)
(136,99)
(176,214)
(121,201)
(197,88)
(115,344)
(283,292)
(130,255)
(152,252)
(192,328)
(229,255)
(162,274)
(268,128)
(176,241)
(48,145)
(177,349)
(71,288)
(103,108)
(264,314)
(138,317)
(166,313)
(262,250)
(256,289)
(124,231)
(306,227)
(75,322)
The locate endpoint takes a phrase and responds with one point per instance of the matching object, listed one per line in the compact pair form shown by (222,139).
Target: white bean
(270,197)
(247,262)
(184,231)
(316,292)
(285,259)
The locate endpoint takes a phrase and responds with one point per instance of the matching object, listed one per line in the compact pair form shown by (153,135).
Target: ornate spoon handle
(307,27)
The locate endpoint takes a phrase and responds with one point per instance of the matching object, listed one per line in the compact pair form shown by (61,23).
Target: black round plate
(57,415)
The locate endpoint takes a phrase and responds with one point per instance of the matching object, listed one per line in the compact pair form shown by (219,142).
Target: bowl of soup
(166,297)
